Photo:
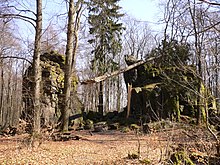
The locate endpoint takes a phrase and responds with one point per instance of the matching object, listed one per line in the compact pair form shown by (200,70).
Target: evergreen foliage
(179,80)
(173,53)
(106,30)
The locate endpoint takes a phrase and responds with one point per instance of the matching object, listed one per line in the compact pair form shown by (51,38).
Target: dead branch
(115,73)
(18,16)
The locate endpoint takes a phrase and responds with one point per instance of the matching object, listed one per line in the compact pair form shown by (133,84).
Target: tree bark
(198,51)
(68,66)
(118,94)
(100,106)
(37,68)
(2,94)
(129,100)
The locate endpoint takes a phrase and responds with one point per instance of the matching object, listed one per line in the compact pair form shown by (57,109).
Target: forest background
(24,37)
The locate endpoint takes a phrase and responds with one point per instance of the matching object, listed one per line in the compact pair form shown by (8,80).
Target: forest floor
(111,147)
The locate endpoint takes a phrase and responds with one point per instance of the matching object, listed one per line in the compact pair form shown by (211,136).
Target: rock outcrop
(52,86)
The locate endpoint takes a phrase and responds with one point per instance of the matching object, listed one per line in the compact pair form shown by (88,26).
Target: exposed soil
(110,147)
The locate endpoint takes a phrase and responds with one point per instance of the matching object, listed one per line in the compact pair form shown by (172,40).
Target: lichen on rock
(52,86)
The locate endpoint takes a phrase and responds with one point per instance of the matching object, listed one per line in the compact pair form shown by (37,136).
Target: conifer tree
(106,31)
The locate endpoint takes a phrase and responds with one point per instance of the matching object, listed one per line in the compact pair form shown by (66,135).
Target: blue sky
(144,10)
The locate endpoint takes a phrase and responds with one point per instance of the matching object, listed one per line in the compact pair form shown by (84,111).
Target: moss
(134,127)
(54,63)
(55,57)
(89,124)
(74,81)
(113,126)
(145,161)
(202,101)
(180,157)
(133,155)
(52,86)
(125,129)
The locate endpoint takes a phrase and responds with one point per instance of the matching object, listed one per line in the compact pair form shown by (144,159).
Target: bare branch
(210,27)
(17,16)
(210,3)
(24,11)
(15,57)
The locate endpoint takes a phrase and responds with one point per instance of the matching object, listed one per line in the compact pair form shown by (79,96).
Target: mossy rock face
(125,129)
(100,127)
(77,122)
(134,127)
(163,89)
(114,126)
(54,57)
(89,124)
(52,86)
(95,116)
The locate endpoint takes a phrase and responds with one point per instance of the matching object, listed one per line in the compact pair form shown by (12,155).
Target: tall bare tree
(9,94)
(37,67)
(74,15)
(51,40)
(16,13)
(138,38)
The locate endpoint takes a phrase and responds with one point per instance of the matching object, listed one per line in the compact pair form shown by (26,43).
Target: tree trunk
(119,89)
(217,84)
(68,66)
(198,51)
(199,100)
(100,107)
(2,94)
(8,98)
(129,100)
(37,68)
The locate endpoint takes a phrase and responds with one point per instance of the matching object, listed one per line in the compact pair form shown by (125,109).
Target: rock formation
(52,86)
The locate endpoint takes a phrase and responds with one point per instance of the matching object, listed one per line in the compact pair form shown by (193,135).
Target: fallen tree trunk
(115,73)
